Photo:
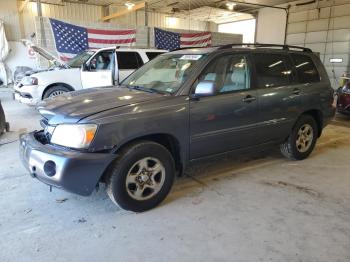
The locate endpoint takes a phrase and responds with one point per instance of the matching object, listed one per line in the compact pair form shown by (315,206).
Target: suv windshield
(164,74)
(78,60)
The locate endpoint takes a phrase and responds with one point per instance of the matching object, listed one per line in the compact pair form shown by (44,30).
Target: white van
(92,68)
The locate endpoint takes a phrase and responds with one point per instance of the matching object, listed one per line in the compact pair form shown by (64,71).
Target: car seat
(235,81)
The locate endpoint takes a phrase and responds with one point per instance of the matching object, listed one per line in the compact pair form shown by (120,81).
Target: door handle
(296,91)
(248,99)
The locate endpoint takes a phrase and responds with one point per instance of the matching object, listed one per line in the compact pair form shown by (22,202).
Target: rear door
(316,94)
(279,96)
(98,70)
(128,62)
(226,120)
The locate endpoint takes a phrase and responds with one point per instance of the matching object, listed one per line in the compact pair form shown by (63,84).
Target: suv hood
(74,106)
(44,53)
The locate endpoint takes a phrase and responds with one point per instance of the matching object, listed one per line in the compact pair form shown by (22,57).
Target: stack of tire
(4,126)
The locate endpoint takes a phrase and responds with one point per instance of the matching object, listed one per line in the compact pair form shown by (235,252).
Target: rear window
(152,55)
(273,70)
(305,68)
(129,60)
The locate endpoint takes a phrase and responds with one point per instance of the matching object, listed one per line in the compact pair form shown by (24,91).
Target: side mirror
(86,67)
(204,88)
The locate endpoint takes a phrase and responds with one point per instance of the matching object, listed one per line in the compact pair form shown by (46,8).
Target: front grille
(41,137)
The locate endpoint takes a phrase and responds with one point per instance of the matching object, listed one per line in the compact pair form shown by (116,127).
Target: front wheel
(141,177)
(302,139)
(55,91)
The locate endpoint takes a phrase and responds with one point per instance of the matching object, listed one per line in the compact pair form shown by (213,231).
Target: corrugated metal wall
(325,29)
(67,11)
(83,13)
(160,20)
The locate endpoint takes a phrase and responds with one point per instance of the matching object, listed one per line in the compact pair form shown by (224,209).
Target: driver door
(225,120)
(97,72)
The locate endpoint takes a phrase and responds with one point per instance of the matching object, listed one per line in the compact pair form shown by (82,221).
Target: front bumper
(73,171)
(29,95)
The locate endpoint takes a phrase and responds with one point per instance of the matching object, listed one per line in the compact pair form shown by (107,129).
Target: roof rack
(284,47)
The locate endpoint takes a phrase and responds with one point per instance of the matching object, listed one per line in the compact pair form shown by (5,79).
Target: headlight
(75,136)
(29,81)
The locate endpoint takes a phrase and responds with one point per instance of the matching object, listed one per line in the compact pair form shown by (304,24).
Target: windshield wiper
(141,88)
(159,91)
(149,90)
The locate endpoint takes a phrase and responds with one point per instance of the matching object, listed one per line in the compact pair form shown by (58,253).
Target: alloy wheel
(305,137)
(145,178)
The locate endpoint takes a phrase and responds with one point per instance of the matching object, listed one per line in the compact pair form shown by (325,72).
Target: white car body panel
(74,78)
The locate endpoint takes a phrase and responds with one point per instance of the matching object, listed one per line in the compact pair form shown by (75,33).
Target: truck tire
(301,141)
(141,177)
(55,91)
(3,124)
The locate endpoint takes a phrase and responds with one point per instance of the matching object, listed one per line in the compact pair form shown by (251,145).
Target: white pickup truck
(92,68)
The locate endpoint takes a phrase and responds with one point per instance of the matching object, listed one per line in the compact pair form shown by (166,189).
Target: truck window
(273,70)
(102,61)
(305,68)
(129,60)
(152,55)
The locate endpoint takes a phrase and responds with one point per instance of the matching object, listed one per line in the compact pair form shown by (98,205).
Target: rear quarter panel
(319,95)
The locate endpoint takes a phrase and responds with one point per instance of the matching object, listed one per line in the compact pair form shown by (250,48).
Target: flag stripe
(195,38)
(196,42)
(96,46)
(66,56)
(190,35)
(111,32)
(111,41)
(110,37)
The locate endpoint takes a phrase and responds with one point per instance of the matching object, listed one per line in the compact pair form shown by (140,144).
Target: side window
(102,61)
(305,68)
(227,73)
(273,70)
(129,60)
(152,55)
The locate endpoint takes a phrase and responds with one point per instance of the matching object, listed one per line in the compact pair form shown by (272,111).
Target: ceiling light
(231,5)
(170,21)
(129,5)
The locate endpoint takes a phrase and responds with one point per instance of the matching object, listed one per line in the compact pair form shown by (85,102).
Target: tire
(295,150)
(3,124)
(126,181)
(54,91)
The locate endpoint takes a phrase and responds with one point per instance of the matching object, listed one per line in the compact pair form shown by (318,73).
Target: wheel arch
(318,116)
(56,84)
(169,141)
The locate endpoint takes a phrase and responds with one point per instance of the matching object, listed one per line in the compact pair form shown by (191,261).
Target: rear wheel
(55,91)
(141,177)
(302,139)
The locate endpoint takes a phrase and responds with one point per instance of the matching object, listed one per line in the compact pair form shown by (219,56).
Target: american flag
(169,40)
(71,40)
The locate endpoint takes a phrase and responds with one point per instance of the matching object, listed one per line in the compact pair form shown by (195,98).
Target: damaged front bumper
(74,171)
(29,95)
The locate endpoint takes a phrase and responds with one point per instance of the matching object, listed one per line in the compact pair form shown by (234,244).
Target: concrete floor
(261,208)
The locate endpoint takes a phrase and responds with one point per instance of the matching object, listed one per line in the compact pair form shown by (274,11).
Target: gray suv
(182,106)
